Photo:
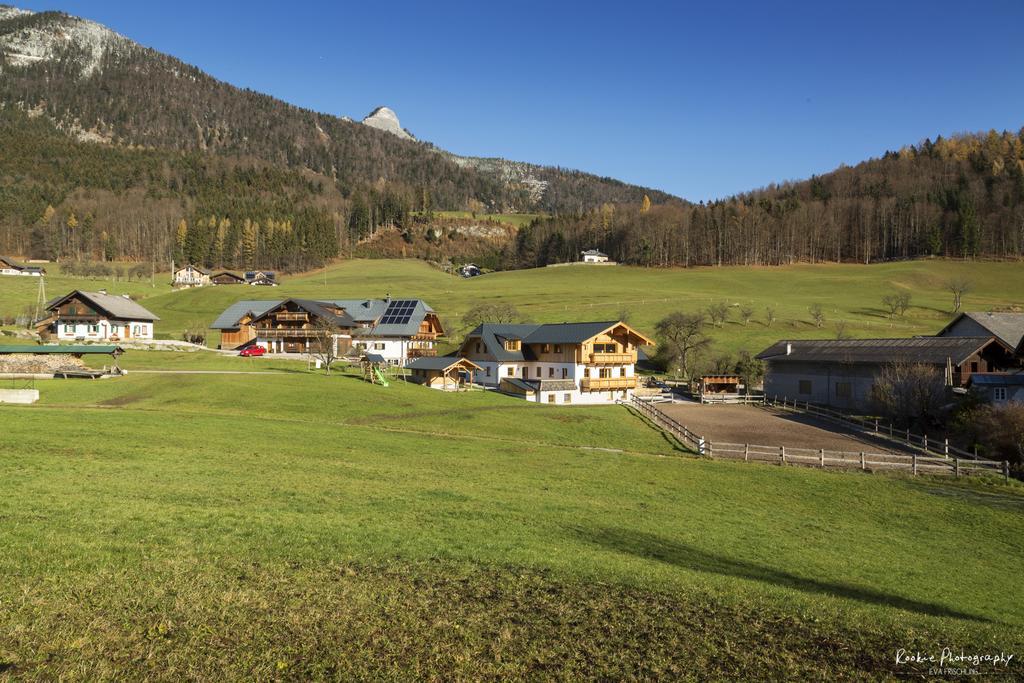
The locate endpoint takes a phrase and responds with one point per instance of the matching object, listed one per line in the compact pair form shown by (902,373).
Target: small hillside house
(96,316)
(564,363)
(842,372)
(594,256)
(9,266)
(226,277)
(261,278)
(191,276)
(396,329)
(447,373)
(999,388)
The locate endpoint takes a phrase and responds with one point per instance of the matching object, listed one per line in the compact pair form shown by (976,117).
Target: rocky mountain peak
(383,118)
(48,34)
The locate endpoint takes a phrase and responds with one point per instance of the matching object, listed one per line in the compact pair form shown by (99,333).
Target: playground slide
(380,377)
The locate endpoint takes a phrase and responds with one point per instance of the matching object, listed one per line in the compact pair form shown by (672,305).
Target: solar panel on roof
(398,312)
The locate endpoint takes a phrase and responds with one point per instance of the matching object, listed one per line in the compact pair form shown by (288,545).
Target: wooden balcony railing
(421,353)
(602,383)
(265,333)
(611,358)
(286,315)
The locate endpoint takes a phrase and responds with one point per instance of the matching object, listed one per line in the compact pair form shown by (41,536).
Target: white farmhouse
(564,363)
(96,316)
(594,256)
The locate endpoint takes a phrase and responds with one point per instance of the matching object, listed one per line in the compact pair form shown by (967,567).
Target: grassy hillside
(849,294)
(399,532)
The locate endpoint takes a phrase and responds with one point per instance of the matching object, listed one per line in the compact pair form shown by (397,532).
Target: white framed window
(999,394)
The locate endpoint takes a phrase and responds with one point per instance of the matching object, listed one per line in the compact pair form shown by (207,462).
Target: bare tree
(746,313)
(323,346)
(769,316)
(891,303)
(841,330)
(910,392)
(902,303)
(817,315)
(681,339)
(491,313)
(958,287)
(718,313)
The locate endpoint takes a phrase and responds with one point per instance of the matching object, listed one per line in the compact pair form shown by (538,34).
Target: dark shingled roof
(118,307)
(1007,327)
(992,379)
(933,350)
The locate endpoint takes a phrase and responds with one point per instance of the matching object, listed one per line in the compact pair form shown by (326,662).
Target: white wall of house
(493,372)
(14,271)
(105,330)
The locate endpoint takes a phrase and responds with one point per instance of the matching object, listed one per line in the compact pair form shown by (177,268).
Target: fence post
(1006,472)
(945,447)
(890,429)
(876,425)
(863,466)
(782,452)
(926,444)
(821,456)
(914,460)
(746,452)
(908,436)
(709,448)
(956,467)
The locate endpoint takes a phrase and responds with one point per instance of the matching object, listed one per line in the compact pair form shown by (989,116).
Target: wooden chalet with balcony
(396,329)
(564,363)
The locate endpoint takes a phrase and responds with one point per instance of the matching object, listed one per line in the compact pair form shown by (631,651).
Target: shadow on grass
(651,547)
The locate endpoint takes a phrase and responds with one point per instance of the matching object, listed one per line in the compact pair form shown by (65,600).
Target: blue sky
(698,101)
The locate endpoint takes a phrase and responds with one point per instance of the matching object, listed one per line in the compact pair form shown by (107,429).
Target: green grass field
(294,526)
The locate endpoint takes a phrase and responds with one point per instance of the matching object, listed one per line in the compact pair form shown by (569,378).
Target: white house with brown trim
(96,316)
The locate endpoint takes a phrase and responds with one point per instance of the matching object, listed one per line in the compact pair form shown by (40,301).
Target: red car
(251,351)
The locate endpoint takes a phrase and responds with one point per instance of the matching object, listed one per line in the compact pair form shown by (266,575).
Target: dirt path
(767,427)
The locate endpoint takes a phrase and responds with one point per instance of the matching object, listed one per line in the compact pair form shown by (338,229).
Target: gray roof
(228,320)
(992,379)
(362,311)
(932,350)
(495,334)
(118,307)
(374,358)
(436,362)
(1007,327)
(541,385)
(20,266)
(593,252)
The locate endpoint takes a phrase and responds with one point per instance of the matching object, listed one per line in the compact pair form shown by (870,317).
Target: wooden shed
(447,373)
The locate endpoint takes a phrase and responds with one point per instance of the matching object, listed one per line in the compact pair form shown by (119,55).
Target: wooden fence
(875,427)
(820,457)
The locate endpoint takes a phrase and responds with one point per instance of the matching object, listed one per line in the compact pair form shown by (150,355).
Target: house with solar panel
(395,329)
(561,363)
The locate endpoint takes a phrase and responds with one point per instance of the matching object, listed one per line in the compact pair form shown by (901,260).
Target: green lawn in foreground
(295,525)
(847,292)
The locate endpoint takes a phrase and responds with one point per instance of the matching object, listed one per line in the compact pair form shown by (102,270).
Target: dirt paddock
(769,427)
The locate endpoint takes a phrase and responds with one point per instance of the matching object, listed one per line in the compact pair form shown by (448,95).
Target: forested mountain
(958,197)
(113,150)
(100,88)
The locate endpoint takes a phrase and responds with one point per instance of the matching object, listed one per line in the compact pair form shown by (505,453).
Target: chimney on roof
(789,349)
